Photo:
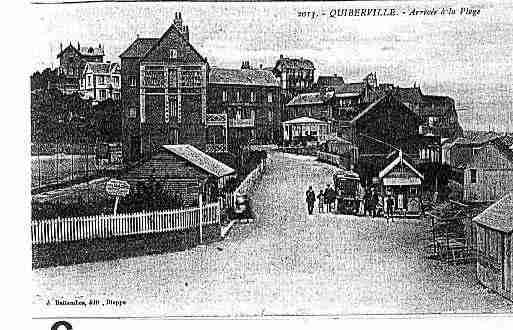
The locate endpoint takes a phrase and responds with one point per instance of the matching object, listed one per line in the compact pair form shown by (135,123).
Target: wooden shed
(184,170)
(493,244)
(489,175)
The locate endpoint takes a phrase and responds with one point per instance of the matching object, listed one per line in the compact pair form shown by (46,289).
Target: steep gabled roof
(498,216)
(399,160)
(242,77)
(311,98)
(139,47)
(180,35)
(371,107)
(200,159)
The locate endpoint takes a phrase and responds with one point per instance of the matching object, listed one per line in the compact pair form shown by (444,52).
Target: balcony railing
(217,147)
(216,119)
(239,122)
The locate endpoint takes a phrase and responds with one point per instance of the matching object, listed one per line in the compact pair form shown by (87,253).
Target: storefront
(403,182)
(305,130)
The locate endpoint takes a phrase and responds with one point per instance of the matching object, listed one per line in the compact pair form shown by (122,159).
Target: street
(284,263)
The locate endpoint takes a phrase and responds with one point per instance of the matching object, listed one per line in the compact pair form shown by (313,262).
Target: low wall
(93,250)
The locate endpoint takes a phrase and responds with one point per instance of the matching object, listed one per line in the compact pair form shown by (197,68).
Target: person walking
(310,199)
(390,203)
(330,197)
(374,201)
(361,197)
(367,202)
(320,201)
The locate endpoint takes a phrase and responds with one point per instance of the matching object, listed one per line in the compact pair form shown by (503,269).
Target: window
(132,112)
(473,176)
(103,94)
(191,79)
(173,107)
(252,96)
(432,121)
(132,81)
(99,80)
(88,81)
(270,97)
(225,96)
(173,53)
(173,78)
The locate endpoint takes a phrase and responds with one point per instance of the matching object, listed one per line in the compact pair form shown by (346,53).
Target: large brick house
(164,93)
(72,61)
(244,108)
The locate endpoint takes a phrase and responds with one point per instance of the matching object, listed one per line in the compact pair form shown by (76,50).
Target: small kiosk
(404,182)
(492,236)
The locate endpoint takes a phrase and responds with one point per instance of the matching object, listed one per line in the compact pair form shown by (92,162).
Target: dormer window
(173,53)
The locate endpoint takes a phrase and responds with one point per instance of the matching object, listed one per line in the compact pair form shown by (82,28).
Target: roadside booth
(493,243)
(404,182)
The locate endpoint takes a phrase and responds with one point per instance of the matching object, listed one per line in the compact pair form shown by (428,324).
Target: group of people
(324,198)
(371,201)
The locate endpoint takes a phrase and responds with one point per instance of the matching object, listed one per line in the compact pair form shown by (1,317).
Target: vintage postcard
(271,159)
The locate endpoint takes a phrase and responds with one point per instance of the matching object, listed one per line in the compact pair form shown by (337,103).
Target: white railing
(106,226)
(216,119)
(247,184)
(242,122)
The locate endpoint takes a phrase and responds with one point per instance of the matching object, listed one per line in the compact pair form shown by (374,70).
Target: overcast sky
(466,57)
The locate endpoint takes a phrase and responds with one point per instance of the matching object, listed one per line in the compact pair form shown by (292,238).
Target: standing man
(310,199)
(390,201)
(329,194)
(320,201)
(373,201)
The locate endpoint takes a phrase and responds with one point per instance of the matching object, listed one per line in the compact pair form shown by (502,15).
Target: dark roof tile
(248,77)
(139,47)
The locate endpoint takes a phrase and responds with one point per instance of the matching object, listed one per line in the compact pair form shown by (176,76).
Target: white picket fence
(247,184)
(106,226)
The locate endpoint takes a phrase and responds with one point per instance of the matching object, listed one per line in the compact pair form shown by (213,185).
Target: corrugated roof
(498,216)
(139,47)
(311,98)
(200,159)
(249,77)
(304,120)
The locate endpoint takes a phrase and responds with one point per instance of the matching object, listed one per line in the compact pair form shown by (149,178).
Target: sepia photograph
(270,159)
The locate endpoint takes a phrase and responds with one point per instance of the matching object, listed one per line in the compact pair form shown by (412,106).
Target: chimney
(78,45)
(178,21)
(335,75)
(186,33)
(61,46)
(281,56)
(100,46)
(245,65)
(137,35)
(261,66)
